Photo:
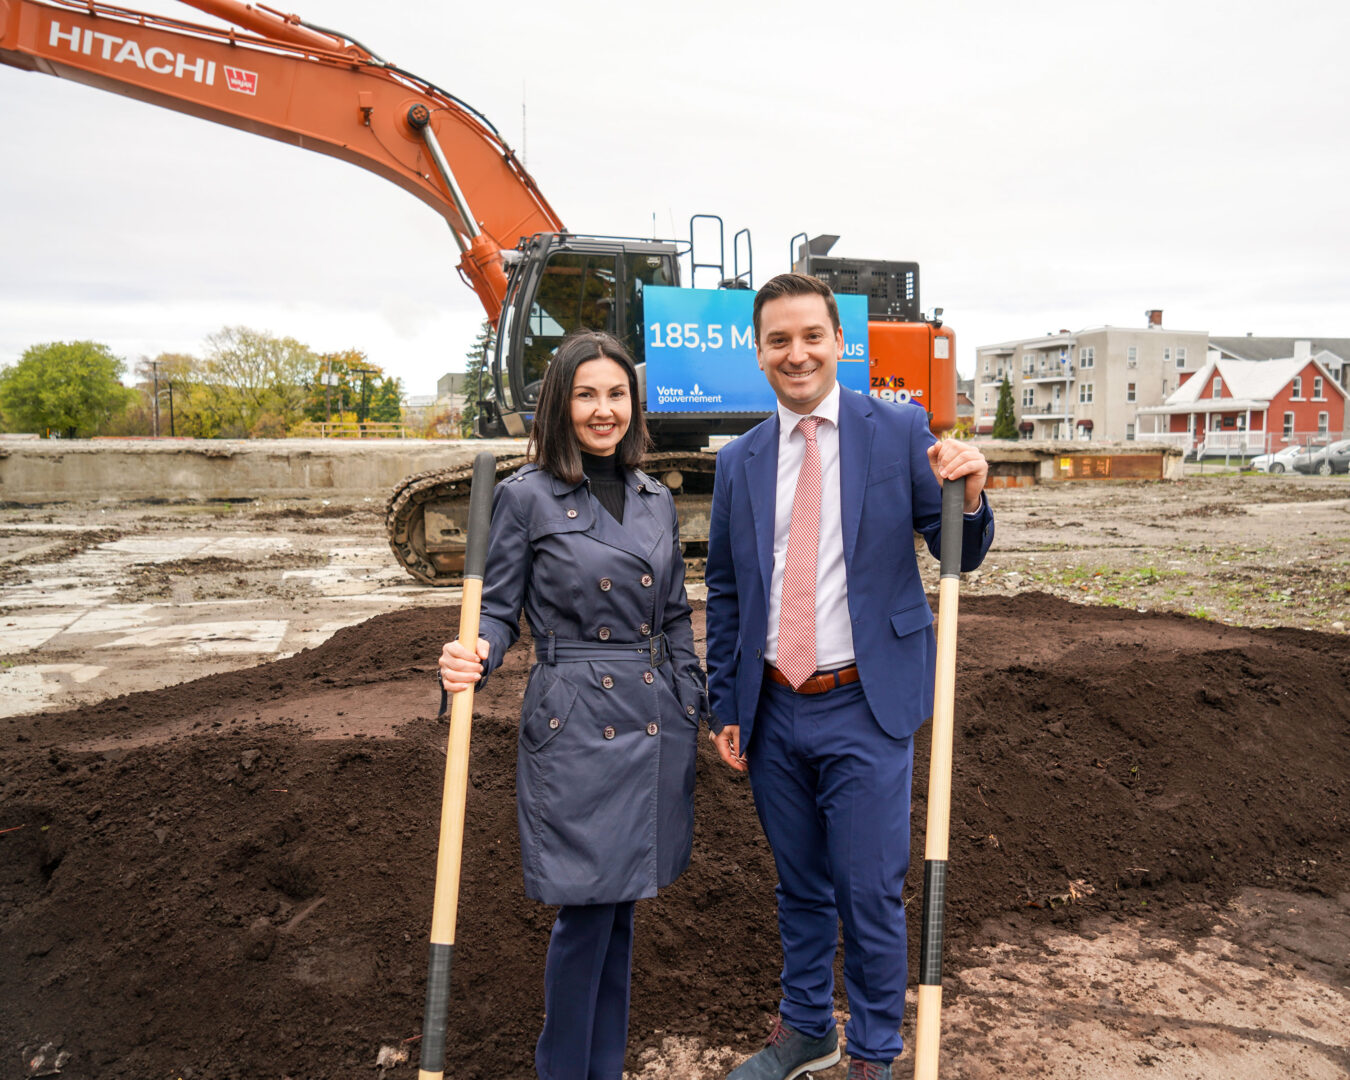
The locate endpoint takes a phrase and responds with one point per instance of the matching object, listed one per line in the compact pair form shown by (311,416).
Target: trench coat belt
(552,650)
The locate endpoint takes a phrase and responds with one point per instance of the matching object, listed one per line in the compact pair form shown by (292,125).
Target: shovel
(928,1028)
(455,791)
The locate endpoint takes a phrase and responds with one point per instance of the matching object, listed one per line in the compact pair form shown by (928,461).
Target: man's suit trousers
(833,794)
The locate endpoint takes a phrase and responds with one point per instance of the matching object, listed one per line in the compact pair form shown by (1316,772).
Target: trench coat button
(608,683)
(644,629)
(689,709)
(603,633)
(571,513)
(648,677)
(605,584)
(646,581)
(652,729)
(554,723)
(609,732)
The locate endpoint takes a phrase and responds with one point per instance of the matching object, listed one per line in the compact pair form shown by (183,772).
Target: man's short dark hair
(553,438)
(795,285)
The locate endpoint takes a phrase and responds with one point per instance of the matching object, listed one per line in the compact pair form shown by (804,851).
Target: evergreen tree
(1005,421)
(386,404)
(476,376)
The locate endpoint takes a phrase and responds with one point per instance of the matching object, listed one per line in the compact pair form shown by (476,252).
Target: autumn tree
(1005,420)
(261,383)
(344,371)
(69,388)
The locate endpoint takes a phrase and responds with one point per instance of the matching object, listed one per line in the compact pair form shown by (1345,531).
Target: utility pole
(328,390)
(154,367)
(365,373)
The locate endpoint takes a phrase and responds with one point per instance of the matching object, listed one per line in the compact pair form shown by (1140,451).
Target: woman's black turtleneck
(606,481)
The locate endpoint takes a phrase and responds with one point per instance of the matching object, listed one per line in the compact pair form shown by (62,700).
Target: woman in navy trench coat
(588,546)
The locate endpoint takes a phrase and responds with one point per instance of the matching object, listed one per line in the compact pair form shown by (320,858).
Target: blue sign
(700,346)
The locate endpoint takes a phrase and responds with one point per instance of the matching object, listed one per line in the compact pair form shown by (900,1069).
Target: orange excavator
(279,76)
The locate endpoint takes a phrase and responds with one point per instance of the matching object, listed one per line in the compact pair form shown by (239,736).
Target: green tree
(476,376)
(70,388)
(386,401)
(1005,421)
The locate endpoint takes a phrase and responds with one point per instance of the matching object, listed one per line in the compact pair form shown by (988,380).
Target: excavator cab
(558,282)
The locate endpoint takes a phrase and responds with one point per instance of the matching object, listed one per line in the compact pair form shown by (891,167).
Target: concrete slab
(63,470)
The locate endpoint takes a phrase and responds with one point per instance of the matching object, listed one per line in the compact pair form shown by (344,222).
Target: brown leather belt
(818,683)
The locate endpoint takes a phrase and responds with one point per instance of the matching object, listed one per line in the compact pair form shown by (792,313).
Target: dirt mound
(250,900)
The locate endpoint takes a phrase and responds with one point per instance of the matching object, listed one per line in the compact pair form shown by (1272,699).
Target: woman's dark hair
(553,438)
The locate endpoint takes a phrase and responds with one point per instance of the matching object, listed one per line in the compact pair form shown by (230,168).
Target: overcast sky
(1048,165)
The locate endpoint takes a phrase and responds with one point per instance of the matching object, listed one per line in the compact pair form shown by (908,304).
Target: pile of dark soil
(252,899)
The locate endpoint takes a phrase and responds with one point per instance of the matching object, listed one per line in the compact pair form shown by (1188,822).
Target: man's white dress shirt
(834,627)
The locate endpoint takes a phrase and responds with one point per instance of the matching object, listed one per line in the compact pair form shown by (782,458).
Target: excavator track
(425,515)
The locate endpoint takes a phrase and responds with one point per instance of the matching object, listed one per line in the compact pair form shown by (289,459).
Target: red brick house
(1251,406)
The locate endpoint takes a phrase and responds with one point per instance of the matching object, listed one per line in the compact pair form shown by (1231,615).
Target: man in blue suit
(821,665)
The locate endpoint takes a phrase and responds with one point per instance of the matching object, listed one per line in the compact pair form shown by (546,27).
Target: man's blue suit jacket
(888,492)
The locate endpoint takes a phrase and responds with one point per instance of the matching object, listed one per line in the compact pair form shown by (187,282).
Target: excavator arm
(274,75)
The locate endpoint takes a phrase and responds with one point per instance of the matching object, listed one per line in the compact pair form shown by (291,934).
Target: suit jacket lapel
(855,454)
(761,475)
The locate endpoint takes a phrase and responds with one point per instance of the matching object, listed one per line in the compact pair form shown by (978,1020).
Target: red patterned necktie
(797,609)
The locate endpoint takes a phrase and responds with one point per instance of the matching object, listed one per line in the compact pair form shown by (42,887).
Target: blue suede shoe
(789,1054)
(868,1070)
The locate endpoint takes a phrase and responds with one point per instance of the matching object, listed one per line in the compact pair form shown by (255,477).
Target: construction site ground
(220,781)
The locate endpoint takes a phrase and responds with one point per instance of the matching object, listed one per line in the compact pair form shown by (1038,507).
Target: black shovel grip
(480,514)
(476,542)
(953,525)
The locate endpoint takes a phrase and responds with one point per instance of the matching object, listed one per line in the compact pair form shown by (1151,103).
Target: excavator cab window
(575,289)
(644,269)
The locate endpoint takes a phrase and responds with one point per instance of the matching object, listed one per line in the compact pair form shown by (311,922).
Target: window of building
(1085,393)
(1132,356)
(1181,356)
(1087,356)
(1129,392)
(1129,433)
(1028,363)
(1318,395)
(1167,355)
(1288,426)
(1296,388)
(1323,419)
(1216,387)
(1028,398)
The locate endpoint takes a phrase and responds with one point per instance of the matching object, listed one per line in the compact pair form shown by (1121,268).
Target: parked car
(1325,460)
(1277,462)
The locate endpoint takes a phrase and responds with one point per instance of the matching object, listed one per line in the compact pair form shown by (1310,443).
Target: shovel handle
(928,1027)
(456,788)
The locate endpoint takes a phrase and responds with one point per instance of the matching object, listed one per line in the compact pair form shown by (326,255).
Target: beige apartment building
(1087,385)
